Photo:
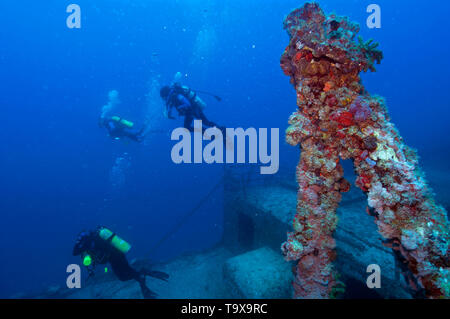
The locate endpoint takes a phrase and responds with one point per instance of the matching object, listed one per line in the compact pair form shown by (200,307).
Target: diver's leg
(139,135)
(188,122)
(201,116)
(205,122)
(134,135)
(122,268)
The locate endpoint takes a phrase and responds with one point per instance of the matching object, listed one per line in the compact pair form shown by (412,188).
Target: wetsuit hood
(165,92)
(82,244)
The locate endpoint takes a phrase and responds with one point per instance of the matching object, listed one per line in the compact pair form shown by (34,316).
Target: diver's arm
(169,112)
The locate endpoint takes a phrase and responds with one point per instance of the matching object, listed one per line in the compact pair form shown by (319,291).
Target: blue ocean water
(60,173)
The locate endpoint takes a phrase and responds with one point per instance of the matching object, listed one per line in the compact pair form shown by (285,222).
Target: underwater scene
(210,149)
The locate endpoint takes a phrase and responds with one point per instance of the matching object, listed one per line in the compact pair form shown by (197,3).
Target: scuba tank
(122,121)
(115,240)
(177,78)
(189,94)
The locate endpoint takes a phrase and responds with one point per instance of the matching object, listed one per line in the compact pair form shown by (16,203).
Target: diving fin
(159,275)
(147,293)
(156,274)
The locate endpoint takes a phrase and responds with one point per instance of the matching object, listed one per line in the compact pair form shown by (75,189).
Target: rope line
(185,218)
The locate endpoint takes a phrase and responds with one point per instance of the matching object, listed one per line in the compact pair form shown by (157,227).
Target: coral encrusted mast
(338,119)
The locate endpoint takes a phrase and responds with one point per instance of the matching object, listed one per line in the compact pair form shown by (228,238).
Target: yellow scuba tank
(116,241)
(122,121)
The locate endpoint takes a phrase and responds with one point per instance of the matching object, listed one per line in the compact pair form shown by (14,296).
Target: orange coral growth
(328,86)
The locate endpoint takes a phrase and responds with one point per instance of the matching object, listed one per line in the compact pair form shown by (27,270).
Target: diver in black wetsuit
(187,103)
(102,246)
(118,127)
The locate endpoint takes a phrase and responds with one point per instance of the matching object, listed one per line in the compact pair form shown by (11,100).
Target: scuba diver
(118,127)
(103,246)
(187,103)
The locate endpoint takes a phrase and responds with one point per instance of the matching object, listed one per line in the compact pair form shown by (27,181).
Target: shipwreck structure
(338,119)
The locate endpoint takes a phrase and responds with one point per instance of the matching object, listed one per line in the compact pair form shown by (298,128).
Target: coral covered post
(337,119)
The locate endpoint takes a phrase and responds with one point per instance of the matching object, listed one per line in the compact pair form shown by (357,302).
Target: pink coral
(360,110)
